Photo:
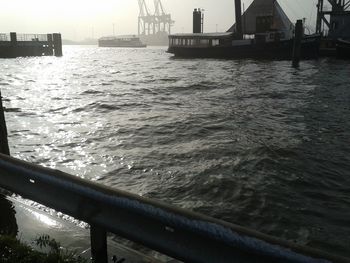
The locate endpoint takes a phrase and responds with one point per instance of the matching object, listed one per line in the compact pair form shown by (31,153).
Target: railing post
(4,145)
(98,244)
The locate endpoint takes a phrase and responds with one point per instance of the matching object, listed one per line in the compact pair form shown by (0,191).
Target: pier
(26,45)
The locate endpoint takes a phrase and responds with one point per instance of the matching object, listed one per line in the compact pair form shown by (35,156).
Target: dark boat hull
(281,50)
(343,49)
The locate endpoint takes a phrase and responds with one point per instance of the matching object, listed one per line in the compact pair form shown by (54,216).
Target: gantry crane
(152,24)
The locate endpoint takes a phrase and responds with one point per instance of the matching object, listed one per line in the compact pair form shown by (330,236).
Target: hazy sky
(79,19)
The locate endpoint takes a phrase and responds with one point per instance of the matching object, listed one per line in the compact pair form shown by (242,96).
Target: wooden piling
(238,12)
(4,145)
(297,43)
(57,44)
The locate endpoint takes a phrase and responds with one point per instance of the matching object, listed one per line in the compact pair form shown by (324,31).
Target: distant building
(264,15)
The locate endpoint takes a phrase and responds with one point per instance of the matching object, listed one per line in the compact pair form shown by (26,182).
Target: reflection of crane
(152,24)
(337,19)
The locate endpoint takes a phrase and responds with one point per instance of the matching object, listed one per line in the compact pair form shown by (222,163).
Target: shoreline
(33,222)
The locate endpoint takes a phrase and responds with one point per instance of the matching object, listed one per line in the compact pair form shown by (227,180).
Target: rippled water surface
(255,143)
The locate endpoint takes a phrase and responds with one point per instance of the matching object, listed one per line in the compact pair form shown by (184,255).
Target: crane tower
(154,28)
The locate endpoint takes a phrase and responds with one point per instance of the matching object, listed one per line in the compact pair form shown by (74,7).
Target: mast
(238,11)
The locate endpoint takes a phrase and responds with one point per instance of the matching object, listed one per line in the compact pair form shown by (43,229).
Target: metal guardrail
(4,37)
(25,37)
(178,233)
(32,37)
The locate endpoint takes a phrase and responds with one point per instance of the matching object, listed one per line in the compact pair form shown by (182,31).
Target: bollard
(297,43)
(57,44)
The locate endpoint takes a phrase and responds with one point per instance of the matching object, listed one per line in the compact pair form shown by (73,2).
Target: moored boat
(263,31)
(263,46)
(343,49)
(121,41)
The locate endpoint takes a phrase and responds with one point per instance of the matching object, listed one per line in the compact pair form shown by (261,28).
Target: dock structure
(25,45)
(333,23)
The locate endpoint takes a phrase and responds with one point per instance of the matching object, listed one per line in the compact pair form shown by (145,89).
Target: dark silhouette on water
(8,224)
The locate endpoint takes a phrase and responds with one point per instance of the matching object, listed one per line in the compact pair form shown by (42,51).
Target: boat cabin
(120,41)
(224,39)
(200,40)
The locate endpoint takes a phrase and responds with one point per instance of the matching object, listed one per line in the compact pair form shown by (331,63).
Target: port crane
(153,23)
(336,19)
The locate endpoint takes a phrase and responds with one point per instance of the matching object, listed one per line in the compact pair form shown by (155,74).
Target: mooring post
(4,145)
(57,43)
(297,43)
(98,238)
(238,14)
(49,45)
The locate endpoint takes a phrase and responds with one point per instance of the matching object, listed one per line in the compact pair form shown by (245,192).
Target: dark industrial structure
(198,19)
(154,28)
(23,45)
(334,23)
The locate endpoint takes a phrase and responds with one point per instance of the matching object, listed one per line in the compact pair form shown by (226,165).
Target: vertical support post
(319,16)
(297,43)
(98,244)
(13,37)
(238,9)
(50,45)
(57,43)
(4,145)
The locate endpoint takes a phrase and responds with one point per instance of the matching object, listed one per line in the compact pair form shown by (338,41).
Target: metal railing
(4,37)
(32,37)
(178,233)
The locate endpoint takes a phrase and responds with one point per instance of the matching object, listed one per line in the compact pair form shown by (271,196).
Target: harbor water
(255,143)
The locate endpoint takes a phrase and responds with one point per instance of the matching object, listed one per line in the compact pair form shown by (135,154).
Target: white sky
(80,19)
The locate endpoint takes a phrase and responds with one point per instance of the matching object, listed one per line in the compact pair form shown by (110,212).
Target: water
(255,143)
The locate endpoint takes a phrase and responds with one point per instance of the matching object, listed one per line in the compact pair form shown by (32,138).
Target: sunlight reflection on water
(252,142)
